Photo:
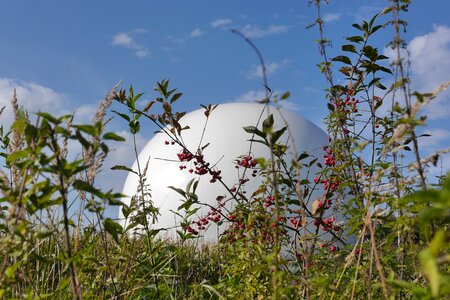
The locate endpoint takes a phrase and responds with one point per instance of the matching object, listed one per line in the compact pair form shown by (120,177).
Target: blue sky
(65,55)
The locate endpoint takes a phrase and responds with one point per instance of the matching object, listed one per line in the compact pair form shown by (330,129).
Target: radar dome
(227,145)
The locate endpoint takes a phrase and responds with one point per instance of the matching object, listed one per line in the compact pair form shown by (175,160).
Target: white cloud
(32,96)
(430,67)
(366,12)
(196,33)
(35,97)
(289,105)
(311,90)
(253,96)
(176,40)
(127,40)
(430,56)
(141,53)
(256,70)
(442,167)
(124,39)
(252,31)
(250,96)
(438,136)
(331,17)
(271,68)
(178,43)
(219,23)
(85,113)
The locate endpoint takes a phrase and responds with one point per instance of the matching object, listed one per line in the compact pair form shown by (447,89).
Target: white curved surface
(227,139)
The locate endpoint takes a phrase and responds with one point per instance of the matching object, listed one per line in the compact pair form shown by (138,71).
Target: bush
(398,216)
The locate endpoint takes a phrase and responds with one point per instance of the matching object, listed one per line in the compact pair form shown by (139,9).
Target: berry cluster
(349,104)
(332,248)
(185,156)
(212,216)
(243,180)
(269,201)
(215,175)
(246,162)
(295,221)
(329,224)
(329,157)
(201,167)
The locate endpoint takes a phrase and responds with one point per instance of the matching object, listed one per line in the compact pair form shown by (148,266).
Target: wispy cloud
(196,33)
(253,96)
(32,96)
(250,96)
(219,23)
(271,68)
(331,17)
(366,12)
(177,42)
(253,31)
(437,136)
(311,90)
(430,65)
(128,40)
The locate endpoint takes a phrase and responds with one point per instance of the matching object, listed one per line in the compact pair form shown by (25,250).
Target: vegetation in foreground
(51,249)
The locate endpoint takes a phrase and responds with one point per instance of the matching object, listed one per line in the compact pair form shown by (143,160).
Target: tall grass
(398,216)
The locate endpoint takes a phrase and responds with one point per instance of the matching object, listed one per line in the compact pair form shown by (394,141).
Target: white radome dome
(227,142)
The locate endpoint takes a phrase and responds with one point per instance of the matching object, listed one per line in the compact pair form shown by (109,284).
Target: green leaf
(349,48)
(178,190)
(355,39)
(357,26)
(373,19)
(370,52)
(428,261)
(122,115)
(277,134)
(126,211)
(330,106)
(375,29)
(123,168)
(113,228)
(186,205)
(87,187)
(373,81)
(343,59)
(386,70)
(268,123)
(48,117)
(387,10)
(113,136)
(11,271)
(285,96)
(134,126)
(167,108)
(89,129)
(254,130)
(63,283)
(302,156)
(175,97)
(380,86)
(17,155)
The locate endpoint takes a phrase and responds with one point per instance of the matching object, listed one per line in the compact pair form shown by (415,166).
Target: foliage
(273,247)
